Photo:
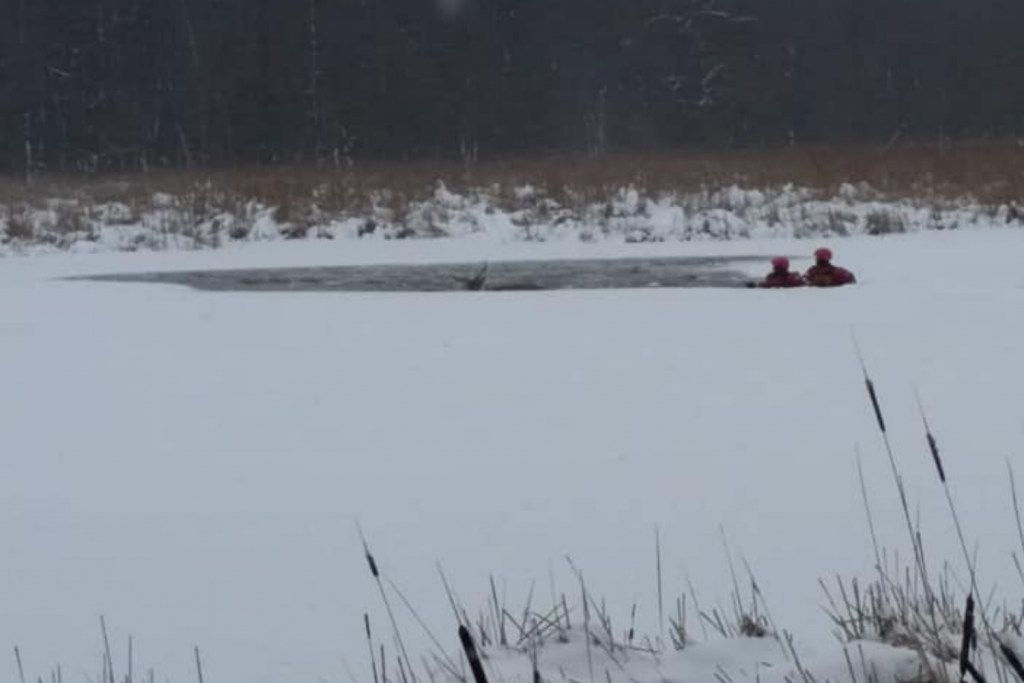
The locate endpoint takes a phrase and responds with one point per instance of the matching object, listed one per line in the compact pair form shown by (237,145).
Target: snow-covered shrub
(885,222)
(19,224)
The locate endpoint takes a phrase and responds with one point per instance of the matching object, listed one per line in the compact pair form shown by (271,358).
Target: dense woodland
(135,84)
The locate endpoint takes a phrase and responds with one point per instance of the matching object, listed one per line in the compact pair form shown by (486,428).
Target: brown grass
(208,206)
(989,172)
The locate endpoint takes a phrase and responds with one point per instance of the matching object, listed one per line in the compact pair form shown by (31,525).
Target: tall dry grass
(988,172)
(206,207)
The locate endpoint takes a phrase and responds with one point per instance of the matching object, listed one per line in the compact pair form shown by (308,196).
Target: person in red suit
(825,274)
(781,276)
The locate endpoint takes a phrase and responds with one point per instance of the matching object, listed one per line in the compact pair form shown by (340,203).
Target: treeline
(134,84)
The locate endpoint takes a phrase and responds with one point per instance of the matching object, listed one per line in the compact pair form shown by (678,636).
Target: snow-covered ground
(192,465)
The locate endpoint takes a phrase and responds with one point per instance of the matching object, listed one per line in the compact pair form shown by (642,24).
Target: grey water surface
(498,276)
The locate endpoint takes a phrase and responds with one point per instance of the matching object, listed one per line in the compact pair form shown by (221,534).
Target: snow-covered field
(192,465)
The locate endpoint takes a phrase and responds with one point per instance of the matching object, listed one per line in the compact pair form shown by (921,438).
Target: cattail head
(373,564)
(933,446)
(873,395)
(968,636)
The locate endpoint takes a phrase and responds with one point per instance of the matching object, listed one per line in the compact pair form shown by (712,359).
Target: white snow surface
(191,465)
(742,659)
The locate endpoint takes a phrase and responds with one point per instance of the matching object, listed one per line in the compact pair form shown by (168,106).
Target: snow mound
(767,659)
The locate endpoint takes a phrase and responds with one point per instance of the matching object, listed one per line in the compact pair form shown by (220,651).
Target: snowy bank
(206,218)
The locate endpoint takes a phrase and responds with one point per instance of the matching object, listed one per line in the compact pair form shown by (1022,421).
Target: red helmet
(823,254)
(780,263)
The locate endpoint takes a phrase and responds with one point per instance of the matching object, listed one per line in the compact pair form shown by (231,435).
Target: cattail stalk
(661,602)
(897,477)
(369,642)
(21,669)
(106,648)
(375,572)
(199,665)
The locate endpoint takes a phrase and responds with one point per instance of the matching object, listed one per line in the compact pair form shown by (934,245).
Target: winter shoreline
(205,218)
